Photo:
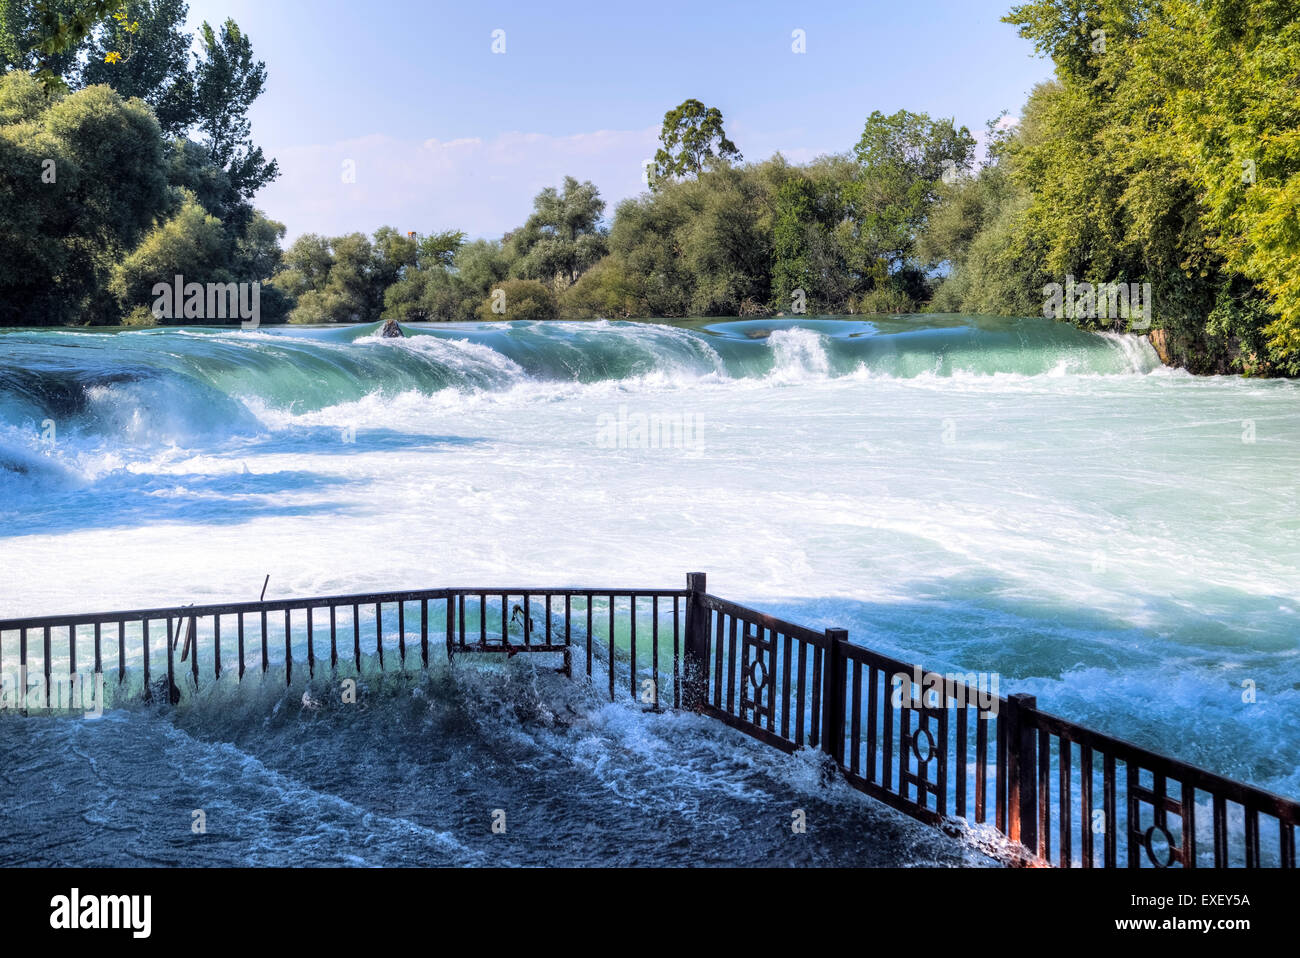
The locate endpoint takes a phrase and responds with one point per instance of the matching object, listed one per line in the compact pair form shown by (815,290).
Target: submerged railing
(935,747)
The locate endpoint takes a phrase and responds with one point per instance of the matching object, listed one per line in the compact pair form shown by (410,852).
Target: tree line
(1162,153)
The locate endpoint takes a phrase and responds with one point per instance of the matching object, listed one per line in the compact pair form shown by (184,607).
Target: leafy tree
(693,140)
(81,182)
(152,63)
(902,159)
(226,82)
(191,244)
(523,299)
(563,238)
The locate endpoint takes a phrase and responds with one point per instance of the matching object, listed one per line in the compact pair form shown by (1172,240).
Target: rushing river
(1007,496)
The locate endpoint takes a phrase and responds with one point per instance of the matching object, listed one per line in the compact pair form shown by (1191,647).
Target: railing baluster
(815,729)
(631,641)
(379,634)
(1110,849)
(873,705)
(22,668)
(611,648)
(356,636)
(654,650)
(855,734)
(982,720)
(452,601)
(1252,838)
(591,637)
(1132,776)
(99,662)
(1002,771)
(171,674)
(401,634)
(1085,806)
(1044,795)
(311,646)
(961,715)
(799,694)
(731,667)
(677,677)
(266,658)
(241,646)
(1066,799)
(424,633)
(121,650)
(785,688)
(334,638)
(46,664)
(216,646)
(1220,832)
(288,650)
(771,680)
(905,751)
(144,651)
(717,664)
(942,759)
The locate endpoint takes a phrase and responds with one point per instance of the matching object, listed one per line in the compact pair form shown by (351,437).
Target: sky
(444,133)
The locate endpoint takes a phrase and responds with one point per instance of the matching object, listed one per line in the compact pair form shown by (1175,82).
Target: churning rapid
(1008,496)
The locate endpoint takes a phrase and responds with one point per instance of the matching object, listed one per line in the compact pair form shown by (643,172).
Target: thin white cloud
(483,186)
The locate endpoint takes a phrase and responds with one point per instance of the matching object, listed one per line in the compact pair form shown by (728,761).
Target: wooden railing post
(833,676)
(1022,772)
(695,647)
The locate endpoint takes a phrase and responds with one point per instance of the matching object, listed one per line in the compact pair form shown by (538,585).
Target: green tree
(227,80)
(562,238)
(154,60)
(520,299)
(693,140)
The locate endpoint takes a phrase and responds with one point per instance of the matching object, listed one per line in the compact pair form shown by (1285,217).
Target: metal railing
(934,747)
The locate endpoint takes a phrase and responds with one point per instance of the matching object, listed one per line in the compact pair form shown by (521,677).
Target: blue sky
(443,133)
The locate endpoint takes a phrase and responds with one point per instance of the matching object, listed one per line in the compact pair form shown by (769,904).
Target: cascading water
(1010,496)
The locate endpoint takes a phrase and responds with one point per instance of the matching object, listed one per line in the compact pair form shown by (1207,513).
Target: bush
(525,299)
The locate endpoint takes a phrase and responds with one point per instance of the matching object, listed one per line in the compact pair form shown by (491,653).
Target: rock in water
(392,331)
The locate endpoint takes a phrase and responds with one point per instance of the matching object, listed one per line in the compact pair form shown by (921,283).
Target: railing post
(695,646)
(833,676)
(1022,772)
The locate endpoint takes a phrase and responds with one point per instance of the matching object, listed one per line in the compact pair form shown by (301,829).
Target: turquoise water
(1010,496)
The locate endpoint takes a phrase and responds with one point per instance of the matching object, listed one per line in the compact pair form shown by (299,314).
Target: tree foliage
(692,141)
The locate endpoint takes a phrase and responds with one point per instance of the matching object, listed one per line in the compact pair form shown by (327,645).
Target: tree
(563,237)
(902,160)
(153,61)
(693,140)
(82,178)
(226,82)
(520,299)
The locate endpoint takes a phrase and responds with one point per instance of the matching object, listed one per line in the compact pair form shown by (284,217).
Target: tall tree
(693,139)
(152,60)
(563,238)
(226,82)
